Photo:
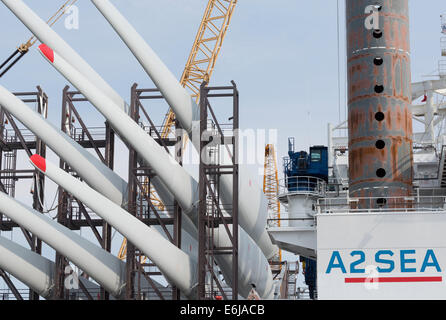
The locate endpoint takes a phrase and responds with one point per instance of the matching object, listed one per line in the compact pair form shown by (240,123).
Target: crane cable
(339,63)
(24,48)
(51,21)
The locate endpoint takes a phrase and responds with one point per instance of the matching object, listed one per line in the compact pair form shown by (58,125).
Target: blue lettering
(378,259)
(386,264)
(361,259)
(331,265)
(434,263)
(404,260)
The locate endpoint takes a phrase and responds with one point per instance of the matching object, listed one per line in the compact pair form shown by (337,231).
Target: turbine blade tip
(39,162)
(47,51)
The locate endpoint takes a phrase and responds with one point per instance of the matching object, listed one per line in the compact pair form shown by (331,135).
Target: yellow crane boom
(205,51)
(271,187)
(271,184)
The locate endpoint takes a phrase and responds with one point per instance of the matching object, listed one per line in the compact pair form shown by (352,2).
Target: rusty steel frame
(10,285)
(65,200)
(210,214)
(135,260)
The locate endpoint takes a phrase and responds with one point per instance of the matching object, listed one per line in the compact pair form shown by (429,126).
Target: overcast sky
(282,54)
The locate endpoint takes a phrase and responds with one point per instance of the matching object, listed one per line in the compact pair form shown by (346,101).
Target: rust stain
(385,83)
(374,138)
(396,143)
(366,157)
(357,119)
(408,126)
(371,115)
(386,31)
(380,123)
(389,119)
(399,119)
(396,42)
(369,54)
(359,73)
(405,43)
(377,95)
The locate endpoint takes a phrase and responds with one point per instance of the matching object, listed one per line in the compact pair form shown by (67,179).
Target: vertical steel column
(235,184)
(109,161)
(379,95)
(132,194)
(39,178)
(179,132)
(2,132)
(145,194)
(202,205)
(210,213)
(59,292)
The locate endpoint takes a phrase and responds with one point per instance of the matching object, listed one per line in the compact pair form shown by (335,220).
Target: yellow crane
(271,187)
(24,48)
(207,45)
(199,67)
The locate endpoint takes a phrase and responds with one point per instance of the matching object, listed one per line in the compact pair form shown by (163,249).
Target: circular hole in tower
(380,173)
(379,88)
(379,116)
(380,144)
(377,34)
(378,61)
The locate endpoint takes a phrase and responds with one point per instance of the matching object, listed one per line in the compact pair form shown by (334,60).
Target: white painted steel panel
(381,256)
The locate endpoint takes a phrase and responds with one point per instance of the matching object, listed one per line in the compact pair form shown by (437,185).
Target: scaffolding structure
(140,202)
(210,208)
(74,215)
